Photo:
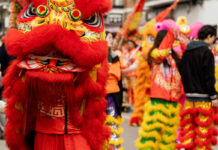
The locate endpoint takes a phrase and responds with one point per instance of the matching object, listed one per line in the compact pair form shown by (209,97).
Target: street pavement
(2,145)
(129,136)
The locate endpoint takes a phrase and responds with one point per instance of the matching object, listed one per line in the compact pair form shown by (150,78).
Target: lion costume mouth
(49,64)
(45,39)
(53,54)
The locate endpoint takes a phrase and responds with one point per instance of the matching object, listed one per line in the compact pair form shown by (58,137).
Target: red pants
(60,142)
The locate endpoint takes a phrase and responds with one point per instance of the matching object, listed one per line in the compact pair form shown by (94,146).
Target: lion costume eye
(150,39)
(93,21)
(30,12)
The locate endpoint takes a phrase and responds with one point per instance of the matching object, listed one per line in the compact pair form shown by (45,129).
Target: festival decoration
(161,115)
(55,89)
(143,70)
(132,21)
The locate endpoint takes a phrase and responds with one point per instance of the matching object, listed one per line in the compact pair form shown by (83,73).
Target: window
(118,3)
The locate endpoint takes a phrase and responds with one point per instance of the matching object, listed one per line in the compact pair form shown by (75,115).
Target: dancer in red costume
(55,88)
(130,68)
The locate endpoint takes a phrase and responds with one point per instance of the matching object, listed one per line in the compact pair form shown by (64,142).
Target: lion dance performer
(114,95)
(198,117)
(143,76)
(55,88)
(161,116)
(143,73)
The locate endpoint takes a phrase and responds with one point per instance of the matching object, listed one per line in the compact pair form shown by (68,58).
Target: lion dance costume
(114,98)
(161,116)
(55,88)
(143,72)
(198,116)
(143,76)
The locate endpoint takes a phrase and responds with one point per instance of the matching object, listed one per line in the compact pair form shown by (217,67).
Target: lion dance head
(61,60)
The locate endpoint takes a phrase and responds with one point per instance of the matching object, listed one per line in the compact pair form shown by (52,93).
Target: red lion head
(59,36)
(59,44)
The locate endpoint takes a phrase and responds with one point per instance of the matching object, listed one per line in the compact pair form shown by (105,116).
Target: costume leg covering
(114,121)
(158,130)
(169,132)
(205,129)
(187,125)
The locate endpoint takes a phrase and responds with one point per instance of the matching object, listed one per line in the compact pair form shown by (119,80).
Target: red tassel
(186,146)
(211,132)
(134,120)
(205,112)
(185,122)
(205,123)
(187,137)
(205,143)
(184,132)
(190,111)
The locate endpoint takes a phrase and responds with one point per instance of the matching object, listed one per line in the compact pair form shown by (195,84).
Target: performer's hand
(215,103)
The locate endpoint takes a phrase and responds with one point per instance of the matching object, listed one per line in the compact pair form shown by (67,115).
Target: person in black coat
(197,69)
(4,59)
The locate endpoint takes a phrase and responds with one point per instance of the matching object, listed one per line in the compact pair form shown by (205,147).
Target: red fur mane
(25,89)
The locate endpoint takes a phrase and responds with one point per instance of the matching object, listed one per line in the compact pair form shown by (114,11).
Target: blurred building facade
(115,18)
(4,16)
(195,10)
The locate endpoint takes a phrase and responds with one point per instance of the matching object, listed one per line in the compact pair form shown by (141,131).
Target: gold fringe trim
(148,144)
(121,148)
(116,143)
(117,132)
(157,125)
(171,146)
(163,119)
(172,121)
(169,139)
(148,130)
(151,134)
(204,105)
(160,107)
(117,121)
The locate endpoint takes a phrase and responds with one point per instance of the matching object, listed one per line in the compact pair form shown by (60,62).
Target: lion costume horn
(16,7)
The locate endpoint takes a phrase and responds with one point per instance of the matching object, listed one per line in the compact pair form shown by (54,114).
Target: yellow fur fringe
(159,125)
(116,143)
(160,107)
(167,147)
(152,134)
(148,131)
(117,121)
(117,132)
(143,74)
(171,138)
(165,119)
(142,85)
(216,76)
(148,144)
